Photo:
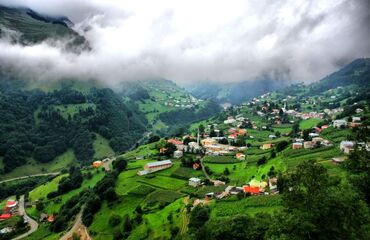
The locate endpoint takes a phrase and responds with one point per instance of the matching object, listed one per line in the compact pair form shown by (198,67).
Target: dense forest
(32,124)
(186,116)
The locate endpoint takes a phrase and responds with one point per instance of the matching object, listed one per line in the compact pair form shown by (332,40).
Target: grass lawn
(163,182)
(309,123)
(102,148)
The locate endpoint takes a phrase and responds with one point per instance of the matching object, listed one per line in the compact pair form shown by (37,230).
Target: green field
(60,162)
(102,148)
(309,123)
(249,205)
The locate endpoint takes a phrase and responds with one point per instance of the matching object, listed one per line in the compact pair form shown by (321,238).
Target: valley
(234,160)
(184,120)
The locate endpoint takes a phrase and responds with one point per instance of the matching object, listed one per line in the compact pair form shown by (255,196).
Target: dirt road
(29,176)
(32,223)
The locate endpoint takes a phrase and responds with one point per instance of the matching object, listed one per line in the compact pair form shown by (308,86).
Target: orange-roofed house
(51,218)
(251,190)
(97,164)
(266,146)
(242,132)
(196,166)
(240,156)
(174,141)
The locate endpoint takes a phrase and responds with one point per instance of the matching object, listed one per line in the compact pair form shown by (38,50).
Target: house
(230,121)
(196,166)
(194,182)
(5,216)
(359,110)
(297,145)
(251,190)
(155,166)
(354,124)
(273,184)
(272,136)
(356,119)
(218,183)
(242,132)
(313,134)
(240,156)
(337,160)
(174,142)
(6,230)
(340,123)
(308,145)
(43,217)
(346,146)
(266,146)
(97,164)
(178,154)
(208,141)
(315,140)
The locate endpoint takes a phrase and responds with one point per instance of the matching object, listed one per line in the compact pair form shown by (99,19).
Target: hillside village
(237,159)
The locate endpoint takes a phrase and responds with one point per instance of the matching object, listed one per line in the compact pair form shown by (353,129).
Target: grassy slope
(52,206)
(33,167)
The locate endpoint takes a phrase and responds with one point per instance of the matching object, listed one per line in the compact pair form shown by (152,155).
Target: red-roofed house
(5,216)
(11,203)
(251,190)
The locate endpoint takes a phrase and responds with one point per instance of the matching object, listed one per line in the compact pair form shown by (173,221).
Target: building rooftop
(159,163)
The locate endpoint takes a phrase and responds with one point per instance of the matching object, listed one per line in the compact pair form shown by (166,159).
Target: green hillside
(28,27)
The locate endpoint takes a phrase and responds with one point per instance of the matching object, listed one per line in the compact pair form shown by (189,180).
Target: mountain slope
(38,127)
(28,27)
(235,93)
(356,72)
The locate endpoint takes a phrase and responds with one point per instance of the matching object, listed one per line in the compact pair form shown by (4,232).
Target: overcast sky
(192,41)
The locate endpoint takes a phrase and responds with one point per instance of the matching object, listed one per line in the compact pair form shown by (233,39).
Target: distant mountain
(166,105)
(235,93)
(356,72)
(26,26)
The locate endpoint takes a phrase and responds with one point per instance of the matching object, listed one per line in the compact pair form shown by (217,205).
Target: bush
(114,220)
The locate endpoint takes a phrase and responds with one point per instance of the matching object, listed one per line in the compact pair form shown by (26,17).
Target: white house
(339,123)
(194,182)
(178,154)
(346,146)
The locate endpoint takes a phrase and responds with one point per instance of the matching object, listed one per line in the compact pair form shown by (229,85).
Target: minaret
(198,137)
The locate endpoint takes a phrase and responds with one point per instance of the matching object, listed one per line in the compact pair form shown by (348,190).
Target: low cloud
(193,41)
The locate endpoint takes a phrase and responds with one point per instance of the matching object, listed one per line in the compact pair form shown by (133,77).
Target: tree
(119,164)
(317,208)
(281,146)
(154,138)
(114,220)
(226,171)
(127,226)
(261,161)
(199,216)
(273,154)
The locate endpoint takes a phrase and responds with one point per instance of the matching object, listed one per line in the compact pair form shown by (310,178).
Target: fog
(194,41)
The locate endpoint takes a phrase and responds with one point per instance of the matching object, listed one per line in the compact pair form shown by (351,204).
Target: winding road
(32,223)
(30,176)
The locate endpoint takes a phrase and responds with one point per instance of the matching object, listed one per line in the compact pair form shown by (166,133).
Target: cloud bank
(193,41)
